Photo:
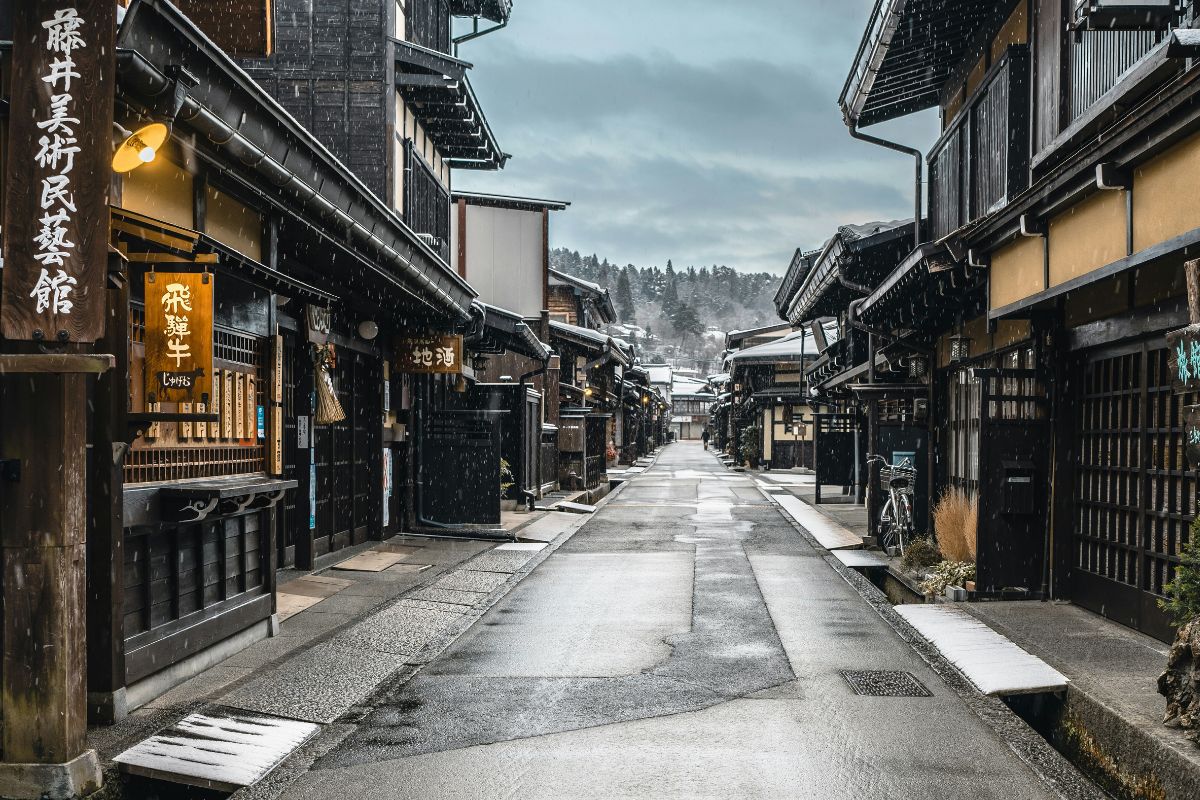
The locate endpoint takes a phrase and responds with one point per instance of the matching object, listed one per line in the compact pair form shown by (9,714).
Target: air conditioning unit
(1125,15)
(431,241)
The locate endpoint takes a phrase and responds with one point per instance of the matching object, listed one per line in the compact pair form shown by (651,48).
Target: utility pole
(57,178)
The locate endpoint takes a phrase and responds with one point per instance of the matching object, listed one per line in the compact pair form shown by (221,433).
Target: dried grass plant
(955,522)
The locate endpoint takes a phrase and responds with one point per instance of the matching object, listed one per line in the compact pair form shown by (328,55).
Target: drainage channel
(1066,719)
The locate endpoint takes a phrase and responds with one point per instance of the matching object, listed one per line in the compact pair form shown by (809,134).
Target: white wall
(505,252)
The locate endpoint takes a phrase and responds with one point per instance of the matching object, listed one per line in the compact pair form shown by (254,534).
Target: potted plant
(751,452)
(1180,682)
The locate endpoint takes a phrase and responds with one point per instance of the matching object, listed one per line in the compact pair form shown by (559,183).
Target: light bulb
(146,155)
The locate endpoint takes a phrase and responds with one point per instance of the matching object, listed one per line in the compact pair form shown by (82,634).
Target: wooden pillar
(42,545)
(106,537)
(53,312)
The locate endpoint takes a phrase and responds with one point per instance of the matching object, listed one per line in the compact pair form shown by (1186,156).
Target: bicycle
(896,520)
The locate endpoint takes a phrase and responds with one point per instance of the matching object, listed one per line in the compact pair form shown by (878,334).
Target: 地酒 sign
(430,355)
(59,155)
(179,336)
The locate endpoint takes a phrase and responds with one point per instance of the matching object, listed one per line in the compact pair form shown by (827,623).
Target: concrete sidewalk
(1110,721)
(409,599)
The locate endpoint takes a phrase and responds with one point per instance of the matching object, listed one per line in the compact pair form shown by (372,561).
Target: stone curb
(1054,770)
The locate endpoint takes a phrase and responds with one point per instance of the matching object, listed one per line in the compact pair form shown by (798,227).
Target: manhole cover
(885,683)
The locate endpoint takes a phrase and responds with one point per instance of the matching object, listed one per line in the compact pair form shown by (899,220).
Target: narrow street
(686,642)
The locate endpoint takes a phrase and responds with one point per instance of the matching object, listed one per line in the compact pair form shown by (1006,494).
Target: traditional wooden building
(859,383)
(579,302)
(591,400)
(691,401)
(771,398)
(501,246)
(330,331)
(1051,270)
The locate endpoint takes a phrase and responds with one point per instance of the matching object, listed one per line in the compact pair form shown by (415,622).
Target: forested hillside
(678,302)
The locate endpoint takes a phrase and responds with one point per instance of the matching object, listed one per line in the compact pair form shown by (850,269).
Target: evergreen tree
(624,297)
(670,295)
(686,323)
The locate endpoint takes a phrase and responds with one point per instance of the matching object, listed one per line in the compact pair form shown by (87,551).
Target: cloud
(737,158)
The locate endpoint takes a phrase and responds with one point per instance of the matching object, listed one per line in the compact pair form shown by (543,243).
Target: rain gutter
(918,157)
(149,83)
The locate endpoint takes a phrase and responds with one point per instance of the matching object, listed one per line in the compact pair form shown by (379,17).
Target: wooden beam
(61,363)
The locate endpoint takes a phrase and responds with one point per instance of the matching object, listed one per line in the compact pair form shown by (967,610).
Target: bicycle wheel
(887,525)
(904,520)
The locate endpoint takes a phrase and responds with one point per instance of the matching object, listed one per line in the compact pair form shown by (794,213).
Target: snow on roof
(575,281)
(659,373)
(789,348)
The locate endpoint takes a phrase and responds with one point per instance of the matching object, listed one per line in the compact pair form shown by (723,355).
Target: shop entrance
(339,499)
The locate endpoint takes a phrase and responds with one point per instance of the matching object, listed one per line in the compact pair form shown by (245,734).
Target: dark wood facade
(1055,193)
(198,508)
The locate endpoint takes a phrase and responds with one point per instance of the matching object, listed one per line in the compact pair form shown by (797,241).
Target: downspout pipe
(918,179)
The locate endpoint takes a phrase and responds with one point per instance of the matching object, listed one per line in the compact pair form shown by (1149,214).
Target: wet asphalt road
(686,643)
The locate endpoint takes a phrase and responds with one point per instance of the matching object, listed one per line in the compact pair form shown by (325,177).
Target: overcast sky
(704,131)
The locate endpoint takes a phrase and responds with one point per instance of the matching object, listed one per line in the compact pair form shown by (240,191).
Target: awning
(440,94)
(908,53)
(497,329)
(862,255)
(802,261)
(638,372)
(791,348)
(928,291)
(151,241)
(889,390)
(588,339)
(790,394)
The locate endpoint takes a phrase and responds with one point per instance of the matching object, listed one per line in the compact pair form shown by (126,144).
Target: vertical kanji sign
(58,170)
(179,337)
(1183,360)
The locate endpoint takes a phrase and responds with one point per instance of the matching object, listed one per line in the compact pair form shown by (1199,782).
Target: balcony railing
(427,203)
(982,160)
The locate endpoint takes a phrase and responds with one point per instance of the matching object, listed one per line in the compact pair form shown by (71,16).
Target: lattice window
(1135,493)
(181,451)
(964,406)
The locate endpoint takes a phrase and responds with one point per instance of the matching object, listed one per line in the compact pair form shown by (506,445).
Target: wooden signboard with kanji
(58,169)
(1183,348)
(430,355)
(179,336)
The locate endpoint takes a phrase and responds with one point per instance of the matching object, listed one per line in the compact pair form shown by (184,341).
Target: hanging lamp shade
(960,348)
(140,147)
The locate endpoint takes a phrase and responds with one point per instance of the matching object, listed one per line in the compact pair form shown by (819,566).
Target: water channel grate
(885,683)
